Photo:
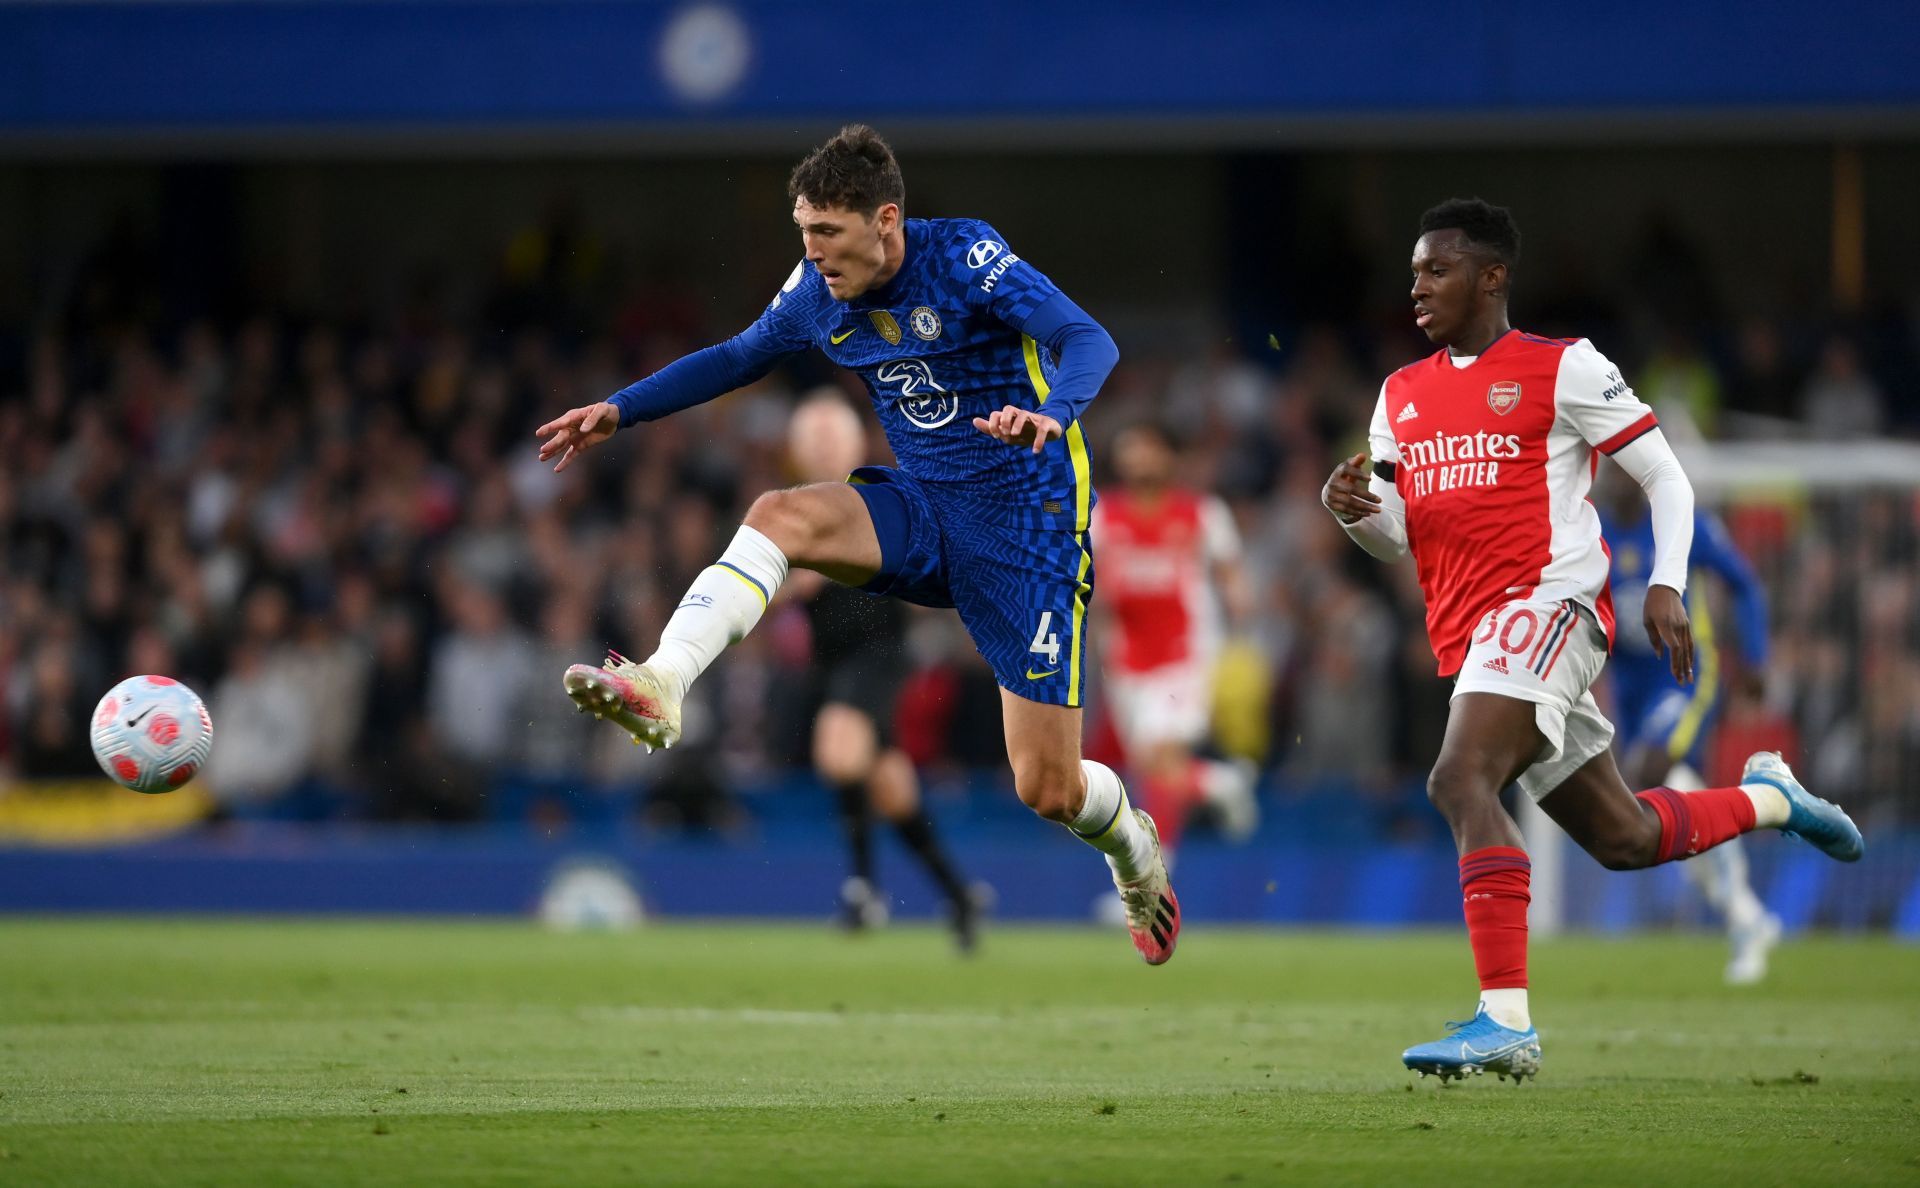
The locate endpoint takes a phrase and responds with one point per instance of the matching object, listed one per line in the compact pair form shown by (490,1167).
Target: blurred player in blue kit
(979,369)
(1664,724)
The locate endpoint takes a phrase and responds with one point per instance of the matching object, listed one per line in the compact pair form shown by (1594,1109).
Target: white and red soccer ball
(151,733)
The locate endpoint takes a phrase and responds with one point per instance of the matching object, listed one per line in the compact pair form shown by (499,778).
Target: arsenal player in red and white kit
(1170,571)
(1482,456)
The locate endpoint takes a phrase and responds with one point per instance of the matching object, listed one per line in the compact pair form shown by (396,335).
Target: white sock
(1106,822)
(1743,907)
(1507,1007)
(721,606)
(1770,807)
(1682,778)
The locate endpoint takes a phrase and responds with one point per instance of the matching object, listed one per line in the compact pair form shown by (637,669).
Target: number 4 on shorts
(1046,643)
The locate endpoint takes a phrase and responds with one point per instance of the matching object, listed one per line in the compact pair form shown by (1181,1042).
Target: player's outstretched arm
(692,379)
(576,431)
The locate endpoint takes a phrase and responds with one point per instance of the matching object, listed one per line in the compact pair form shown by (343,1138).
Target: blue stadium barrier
(788,862)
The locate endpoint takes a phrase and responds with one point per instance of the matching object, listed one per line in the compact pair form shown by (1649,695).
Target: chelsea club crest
(924,323)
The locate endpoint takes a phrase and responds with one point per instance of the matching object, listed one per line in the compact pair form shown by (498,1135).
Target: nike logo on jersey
(1040,676)
(837,339)
(1406,414)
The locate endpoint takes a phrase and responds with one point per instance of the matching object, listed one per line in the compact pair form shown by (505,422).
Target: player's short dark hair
(1486,226)
(853,171)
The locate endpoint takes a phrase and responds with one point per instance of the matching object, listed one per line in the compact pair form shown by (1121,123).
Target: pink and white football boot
(1153,911)
(631,694)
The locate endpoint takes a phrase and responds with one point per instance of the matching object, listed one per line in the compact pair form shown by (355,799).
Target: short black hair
(1488,227)
(853,171)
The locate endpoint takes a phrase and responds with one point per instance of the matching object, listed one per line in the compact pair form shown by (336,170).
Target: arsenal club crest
(1503,397)
(888,328)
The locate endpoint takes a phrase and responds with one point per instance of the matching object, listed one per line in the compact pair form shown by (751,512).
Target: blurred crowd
(339,533)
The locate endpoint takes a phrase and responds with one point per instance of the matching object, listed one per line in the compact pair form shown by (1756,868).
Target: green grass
(256,1052)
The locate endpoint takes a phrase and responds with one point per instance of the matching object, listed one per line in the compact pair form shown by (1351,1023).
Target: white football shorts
(1549,653)
(1171,704)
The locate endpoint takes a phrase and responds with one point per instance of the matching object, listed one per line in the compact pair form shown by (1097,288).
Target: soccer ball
(151,733)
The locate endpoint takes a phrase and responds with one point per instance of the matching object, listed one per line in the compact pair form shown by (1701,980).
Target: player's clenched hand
(1669,632)
(1346,494)
(1019,426)
(576,430)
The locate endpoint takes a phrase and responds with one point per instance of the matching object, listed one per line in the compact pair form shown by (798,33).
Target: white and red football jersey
(1494,460)
(1156,562)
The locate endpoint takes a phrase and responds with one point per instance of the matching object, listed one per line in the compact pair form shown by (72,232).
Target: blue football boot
(1809,818)
(1476,1046)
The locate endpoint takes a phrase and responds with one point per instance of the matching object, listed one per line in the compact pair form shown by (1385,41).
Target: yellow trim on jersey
(1080,592)
(1076,440)
(1031,350)
(1082,477)
(1706,684)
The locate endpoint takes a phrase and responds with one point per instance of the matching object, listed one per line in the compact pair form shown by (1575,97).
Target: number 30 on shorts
(1516,634)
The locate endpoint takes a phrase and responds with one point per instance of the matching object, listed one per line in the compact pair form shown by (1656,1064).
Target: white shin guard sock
(1106,822)
(720,607)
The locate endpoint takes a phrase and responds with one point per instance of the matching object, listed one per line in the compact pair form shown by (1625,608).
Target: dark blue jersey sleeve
(781,330)
(1715,552)
(1021,296)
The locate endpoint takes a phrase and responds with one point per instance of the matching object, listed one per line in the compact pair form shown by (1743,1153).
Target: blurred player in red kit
(1170,571)
(1483,454)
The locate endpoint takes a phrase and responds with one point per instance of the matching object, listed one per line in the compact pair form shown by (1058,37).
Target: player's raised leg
(823,526)
(1043,744)
(1490,740)
(1625,830)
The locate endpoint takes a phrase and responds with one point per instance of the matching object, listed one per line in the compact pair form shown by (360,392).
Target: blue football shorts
(1022,594)
(1655,710)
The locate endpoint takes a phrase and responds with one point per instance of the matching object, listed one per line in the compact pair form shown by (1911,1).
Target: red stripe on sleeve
(1639,428)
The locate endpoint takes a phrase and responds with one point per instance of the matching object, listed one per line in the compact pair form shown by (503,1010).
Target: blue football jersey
(1631,544)
(937,346)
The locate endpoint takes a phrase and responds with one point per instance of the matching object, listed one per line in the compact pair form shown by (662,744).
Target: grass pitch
(270,1052)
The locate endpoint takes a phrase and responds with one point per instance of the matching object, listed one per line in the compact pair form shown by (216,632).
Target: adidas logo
(1406,414)
(1497,664)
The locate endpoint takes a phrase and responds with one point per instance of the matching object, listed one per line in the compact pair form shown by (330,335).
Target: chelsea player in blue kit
(979,369)
(1664,724)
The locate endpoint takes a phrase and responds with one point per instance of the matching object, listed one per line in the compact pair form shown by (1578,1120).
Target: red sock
(1168,808)
(1694,821)
(1494,884)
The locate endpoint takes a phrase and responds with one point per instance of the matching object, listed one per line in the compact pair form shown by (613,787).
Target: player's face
(1450,286)
(1142,459)
(847,247)
(826,441)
